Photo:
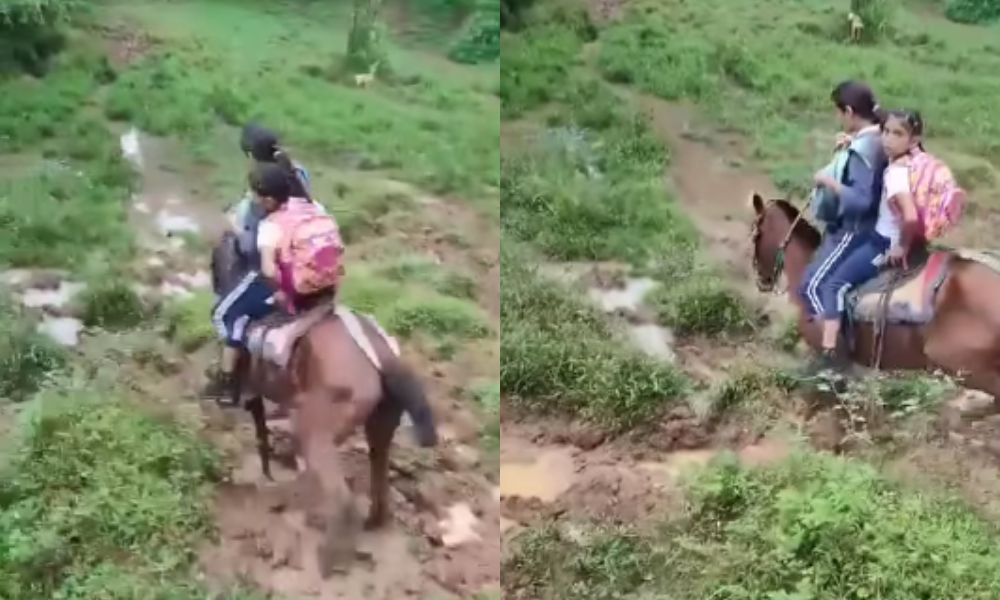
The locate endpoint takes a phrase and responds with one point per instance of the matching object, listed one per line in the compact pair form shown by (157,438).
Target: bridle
(764,285)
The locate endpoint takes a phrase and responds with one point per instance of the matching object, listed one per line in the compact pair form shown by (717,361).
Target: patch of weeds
(606,563)
(900,394)
(785,334)
(447,282)
(414,310)
(100,499)
(773,531)
(187,323)
(28,359)
(701,304)
(559,355)
(750,386)
(489,398)
(111,303)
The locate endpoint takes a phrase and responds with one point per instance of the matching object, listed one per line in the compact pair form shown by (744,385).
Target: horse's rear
(345,373)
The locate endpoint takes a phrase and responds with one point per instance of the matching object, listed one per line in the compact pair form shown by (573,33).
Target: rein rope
(779,259)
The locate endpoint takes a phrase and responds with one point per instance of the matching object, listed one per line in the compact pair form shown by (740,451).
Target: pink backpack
(938,197)
(311,249)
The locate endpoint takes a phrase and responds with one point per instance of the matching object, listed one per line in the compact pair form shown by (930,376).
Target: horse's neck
(798,255)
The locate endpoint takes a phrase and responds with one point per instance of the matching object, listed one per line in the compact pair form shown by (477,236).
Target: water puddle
(629,297)
(459,526)
(654,340)
(64,330)
(548,477)
(57,297)
(668,471)
(171,224)
(132,148)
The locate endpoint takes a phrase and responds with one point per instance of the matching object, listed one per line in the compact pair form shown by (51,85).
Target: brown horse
(941,312)
(331,370)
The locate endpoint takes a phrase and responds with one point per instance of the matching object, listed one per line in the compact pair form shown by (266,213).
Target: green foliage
(702,304)
(100,500)
(772,82)
(111,303)
(28,359)
(30,33)
(974,12)
(814,526)
(877,17)
(187,321)
(479,40)
(560,356)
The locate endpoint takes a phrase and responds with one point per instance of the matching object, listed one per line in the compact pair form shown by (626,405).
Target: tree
(363,44)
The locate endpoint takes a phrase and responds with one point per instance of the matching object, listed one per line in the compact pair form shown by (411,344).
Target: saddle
(901,296)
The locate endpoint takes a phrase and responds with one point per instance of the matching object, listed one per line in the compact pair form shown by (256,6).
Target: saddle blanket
(274,338)
(911,294)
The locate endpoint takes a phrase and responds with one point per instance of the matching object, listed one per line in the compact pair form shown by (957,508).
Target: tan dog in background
(857,27)
(363,80)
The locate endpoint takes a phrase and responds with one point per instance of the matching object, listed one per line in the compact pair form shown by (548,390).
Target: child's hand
(897,256)
(842,139)
(824,180)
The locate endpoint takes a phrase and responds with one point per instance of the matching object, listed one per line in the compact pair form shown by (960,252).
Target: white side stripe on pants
(823,270)
(229,300)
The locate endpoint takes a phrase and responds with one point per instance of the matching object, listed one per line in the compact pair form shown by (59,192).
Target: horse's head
(228,263)
(776,223)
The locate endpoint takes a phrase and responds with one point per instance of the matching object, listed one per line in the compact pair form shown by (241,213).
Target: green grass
(814,527)
(187,322)
(767,69)
(561,356)
(28,359)
(425,127)
(99,499)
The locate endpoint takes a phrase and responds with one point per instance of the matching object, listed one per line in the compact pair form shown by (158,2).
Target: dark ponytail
(859,98)
(295,181)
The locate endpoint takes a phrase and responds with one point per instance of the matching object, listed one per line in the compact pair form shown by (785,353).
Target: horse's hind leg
(380,428)
(340,522)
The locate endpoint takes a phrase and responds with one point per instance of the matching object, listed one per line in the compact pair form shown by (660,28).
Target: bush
(877,17)
(30,33)
(101,500)
(973,12)
(815,526)
(701,304)
(112,304)
(479,40)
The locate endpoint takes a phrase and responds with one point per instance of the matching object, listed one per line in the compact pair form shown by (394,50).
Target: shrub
(30,33)
(479,40)
(701,303)
(100,500)
(974,12)
(877,17)
(112,304)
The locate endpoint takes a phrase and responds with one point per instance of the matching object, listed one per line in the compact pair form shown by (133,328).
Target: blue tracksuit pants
(245,302)
(844,260)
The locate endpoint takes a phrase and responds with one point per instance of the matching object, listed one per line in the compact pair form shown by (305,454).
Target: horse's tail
(401,386)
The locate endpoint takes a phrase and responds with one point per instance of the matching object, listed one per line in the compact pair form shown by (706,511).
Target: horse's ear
(757,203)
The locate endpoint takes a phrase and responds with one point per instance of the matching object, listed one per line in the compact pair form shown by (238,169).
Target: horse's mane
(802,227)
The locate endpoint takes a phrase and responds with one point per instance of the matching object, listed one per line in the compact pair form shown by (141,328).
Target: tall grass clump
(30,33)
(100,500)
(560,356)
(973,12)
(28,359)
(814,526)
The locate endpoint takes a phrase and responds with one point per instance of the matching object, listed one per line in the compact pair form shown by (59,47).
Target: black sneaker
(219,387)
(826,370)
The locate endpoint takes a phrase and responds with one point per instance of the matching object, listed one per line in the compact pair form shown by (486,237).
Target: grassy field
(548,147)
(761,71)
(103,492)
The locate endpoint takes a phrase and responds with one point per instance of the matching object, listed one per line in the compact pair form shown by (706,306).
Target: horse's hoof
(376,521)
